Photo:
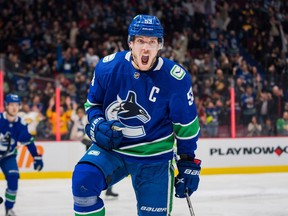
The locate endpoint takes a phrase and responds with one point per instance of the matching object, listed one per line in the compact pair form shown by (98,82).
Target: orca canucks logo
(129,113)
(5,141)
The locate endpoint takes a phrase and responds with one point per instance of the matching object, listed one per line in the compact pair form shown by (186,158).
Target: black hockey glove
(106,134)
(188,178)
(38,163)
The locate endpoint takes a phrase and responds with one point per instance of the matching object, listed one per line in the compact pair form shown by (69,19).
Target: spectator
(207,65)
(36,104)
(239,91)
(267,128)
(65,118)
(180,44)
(82,85)
(264,106)
(277,103)
(248,104)
(272,78)
(31,117)
(73,34)
(91,58)
(212,122)
(201,115)
(244,73)
(220,83)
(282,125)
(254,128)
(79,120)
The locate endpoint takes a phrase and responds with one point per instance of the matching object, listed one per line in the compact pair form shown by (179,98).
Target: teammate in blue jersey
(138,106)
(13,130)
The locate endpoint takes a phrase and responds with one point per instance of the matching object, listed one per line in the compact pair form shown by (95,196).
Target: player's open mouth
(144,60)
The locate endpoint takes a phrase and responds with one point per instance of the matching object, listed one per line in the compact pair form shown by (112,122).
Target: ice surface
(218,195)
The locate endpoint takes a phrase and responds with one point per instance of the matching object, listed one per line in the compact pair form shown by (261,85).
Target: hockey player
(138,105)
(13,130)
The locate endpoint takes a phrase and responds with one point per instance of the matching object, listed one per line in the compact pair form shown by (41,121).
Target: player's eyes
(150,43)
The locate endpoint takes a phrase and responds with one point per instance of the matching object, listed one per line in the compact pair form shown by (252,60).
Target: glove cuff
(187,157)
(197,161)
(96,120)
(93,126)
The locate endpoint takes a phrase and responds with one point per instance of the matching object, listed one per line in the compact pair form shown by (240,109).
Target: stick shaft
(189,204)
(115,128)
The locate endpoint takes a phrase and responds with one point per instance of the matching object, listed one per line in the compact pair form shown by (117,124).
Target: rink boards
(219,156)
(243,155)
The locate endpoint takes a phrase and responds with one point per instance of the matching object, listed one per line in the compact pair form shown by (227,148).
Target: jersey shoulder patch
(109,58)
(177,72)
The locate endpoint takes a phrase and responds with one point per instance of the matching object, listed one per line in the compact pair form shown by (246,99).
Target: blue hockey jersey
(13,132)
(156,107)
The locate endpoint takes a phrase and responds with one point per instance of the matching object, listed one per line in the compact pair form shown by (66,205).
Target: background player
(138,105)
(13,130)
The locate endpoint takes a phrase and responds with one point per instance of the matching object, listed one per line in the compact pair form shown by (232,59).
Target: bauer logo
(109,58)
(257,150)
(177,72)
(93,152)
(153,209)
(191,172)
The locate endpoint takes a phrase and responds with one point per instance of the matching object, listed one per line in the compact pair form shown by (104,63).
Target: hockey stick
(189,204)
(116,128)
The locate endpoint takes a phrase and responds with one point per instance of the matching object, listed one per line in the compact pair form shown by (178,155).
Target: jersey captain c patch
(177,72)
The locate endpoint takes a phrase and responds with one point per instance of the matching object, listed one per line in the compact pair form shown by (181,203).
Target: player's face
(12,109)
(144,50)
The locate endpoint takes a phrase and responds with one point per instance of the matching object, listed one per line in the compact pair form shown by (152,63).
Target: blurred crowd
(223,44)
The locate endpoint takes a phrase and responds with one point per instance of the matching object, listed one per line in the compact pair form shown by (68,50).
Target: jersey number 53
(190,96)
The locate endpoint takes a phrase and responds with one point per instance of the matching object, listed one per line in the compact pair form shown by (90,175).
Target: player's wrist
(187,157)
(97,120)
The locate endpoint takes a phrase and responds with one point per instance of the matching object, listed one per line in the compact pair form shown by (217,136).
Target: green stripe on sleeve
(187,130)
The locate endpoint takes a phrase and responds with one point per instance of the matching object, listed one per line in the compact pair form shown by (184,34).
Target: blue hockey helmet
(145,25)
(12,98)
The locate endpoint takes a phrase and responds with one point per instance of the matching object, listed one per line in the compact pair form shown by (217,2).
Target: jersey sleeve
(94,103)
(103,74)
(25,138)
(184,116)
